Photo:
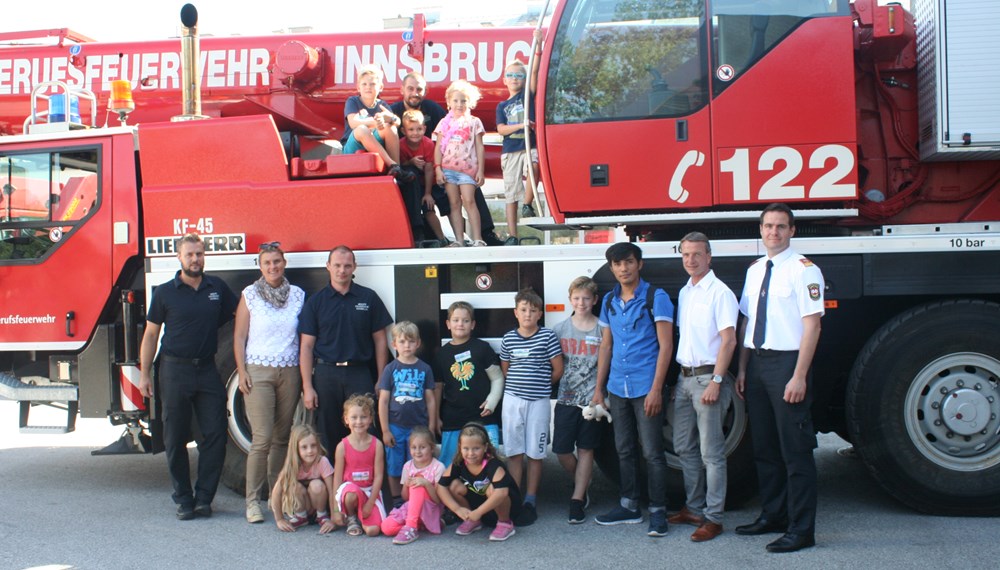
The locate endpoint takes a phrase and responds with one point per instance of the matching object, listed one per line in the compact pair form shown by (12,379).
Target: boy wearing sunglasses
(513,156)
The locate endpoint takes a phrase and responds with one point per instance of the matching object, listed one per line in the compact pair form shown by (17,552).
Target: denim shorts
(449,442)
(456,177)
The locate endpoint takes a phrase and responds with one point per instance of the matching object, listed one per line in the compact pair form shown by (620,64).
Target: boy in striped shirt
(531,360)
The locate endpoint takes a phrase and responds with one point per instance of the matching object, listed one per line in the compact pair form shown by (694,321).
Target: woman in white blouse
(266,343)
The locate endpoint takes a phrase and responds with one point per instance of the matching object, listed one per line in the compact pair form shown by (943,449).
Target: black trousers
(413,194)
(193,392)
(783,442)
(334,385)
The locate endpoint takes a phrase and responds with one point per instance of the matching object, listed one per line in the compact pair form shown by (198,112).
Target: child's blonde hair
(583,283)
(462,86)
(517,63)
(476,429)
(289,477)
(465,306)
(373,70)
(413,116)
(405,329)
(363,401)
(424,432)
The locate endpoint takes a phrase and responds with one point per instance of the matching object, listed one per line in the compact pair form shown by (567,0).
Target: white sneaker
(254,514)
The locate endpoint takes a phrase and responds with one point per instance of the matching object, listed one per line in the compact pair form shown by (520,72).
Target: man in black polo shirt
(343,330)
(191,307)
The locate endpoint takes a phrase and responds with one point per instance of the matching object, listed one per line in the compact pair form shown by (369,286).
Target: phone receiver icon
(691,158)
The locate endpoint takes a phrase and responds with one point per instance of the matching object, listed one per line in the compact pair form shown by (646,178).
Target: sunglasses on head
(269,245)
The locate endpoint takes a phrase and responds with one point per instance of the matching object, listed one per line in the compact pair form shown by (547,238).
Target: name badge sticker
(593,340)
(361,475)
(521,353)
(463,356)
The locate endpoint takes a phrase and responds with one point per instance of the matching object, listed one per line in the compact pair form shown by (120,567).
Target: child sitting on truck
(369,123)
(416,154)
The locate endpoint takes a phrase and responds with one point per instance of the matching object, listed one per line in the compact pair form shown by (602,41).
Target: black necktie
(760,321)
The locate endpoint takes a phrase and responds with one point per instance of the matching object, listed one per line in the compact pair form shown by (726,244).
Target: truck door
(55,245)
(626,116)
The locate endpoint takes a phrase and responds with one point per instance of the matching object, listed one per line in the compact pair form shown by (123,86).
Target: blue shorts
(351,145)
(456,177)
(449,442)
(395,457)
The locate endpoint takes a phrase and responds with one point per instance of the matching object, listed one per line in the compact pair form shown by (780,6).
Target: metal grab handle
(527,102)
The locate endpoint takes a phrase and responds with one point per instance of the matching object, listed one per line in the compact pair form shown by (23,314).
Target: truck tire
(741,472)
(234,470)
(923,406)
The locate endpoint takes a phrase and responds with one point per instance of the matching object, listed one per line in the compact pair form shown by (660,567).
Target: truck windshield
(627,59)
(46,195)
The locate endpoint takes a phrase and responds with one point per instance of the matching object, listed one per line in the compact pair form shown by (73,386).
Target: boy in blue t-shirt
(514,160)
(405,401)
(532,361)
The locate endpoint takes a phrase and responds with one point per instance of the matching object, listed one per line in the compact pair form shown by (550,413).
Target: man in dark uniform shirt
(414,90)
(342,330)
(190,308)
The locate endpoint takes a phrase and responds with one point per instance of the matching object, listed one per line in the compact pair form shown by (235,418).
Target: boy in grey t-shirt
(580,337)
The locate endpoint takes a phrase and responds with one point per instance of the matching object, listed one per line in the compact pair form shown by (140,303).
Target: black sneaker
(576,514)
(510,241)
(203,510)
(619,515)
(185,512)
(528,515)
(658,523)
(528,211)
(401,174)
(491,239)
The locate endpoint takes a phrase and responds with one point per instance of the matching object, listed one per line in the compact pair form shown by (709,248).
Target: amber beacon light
(121,101)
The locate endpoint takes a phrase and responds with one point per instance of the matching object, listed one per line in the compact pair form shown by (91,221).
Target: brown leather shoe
(686,517)
(707,531)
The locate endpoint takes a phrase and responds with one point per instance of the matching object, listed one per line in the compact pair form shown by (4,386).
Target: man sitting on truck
(414,92)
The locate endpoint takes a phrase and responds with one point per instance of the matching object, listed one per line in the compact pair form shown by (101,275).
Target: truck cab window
(744,30)
(45,196)
(627,59)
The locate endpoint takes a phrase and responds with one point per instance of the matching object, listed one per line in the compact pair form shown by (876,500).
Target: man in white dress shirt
(707,313)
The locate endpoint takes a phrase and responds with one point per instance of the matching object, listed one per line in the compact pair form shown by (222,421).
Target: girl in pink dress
(459,159)
(359,468)
(420,476)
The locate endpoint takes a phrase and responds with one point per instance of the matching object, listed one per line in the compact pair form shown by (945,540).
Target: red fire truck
(879,127)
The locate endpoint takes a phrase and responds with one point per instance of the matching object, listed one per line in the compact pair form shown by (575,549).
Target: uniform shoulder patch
(813,291)
(805,261)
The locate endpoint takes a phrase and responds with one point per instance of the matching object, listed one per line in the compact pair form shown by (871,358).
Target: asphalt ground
(63,508)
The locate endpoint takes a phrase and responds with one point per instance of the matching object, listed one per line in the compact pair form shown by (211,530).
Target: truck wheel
(234,470)
(741,473)
(923,406)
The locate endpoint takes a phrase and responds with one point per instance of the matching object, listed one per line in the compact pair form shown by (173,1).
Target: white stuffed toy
(595,413)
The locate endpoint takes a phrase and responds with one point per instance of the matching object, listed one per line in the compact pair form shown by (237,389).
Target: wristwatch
(717,379)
